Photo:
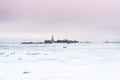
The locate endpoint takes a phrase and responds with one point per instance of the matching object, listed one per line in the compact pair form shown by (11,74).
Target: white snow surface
(82,61)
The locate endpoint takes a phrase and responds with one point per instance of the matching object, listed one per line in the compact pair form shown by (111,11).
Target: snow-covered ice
(82,61)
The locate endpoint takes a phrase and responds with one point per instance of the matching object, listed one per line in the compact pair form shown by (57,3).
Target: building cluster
(60,41)
(53,41)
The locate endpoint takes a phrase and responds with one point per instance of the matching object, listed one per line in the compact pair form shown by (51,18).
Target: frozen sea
(82,61)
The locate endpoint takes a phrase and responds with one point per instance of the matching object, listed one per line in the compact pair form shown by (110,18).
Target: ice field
(82,61)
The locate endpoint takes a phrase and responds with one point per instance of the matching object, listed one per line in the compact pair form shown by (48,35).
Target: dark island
(52,41)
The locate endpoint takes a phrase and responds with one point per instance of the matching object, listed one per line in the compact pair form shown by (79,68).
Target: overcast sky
(93,20)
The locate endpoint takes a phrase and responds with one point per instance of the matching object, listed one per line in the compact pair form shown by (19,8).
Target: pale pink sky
(78,19)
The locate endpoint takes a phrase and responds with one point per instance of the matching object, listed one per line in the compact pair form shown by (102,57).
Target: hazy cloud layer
(79,19)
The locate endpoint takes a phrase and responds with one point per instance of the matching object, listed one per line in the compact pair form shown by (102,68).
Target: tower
(52,38)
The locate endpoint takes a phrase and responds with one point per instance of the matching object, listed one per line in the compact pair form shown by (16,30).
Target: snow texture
(82,61)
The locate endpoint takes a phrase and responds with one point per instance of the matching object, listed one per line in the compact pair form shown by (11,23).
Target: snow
(91,61)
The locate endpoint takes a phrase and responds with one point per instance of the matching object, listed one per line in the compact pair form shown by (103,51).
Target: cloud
(78,18)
